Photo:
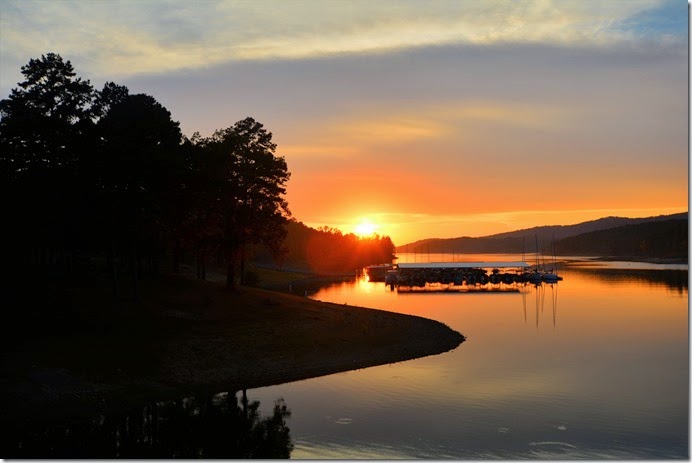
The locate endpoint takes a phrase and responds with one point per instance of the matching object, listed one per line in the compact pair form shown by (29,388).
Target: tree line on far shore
(329,250)
(105,179)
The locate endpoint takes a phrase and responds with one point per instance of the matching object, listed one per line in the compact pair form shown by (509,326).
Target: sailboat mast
(523,255)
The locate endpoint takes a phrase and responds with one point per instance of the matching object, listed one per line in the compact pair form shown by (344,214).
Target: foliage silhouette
(328,250)
(44,119)
(46,126)
(244,183)
(103,183)
(137,169)
(219,426)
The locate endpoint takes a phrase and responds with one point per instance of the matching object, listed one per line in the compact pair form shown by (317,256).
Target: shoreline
(646,260)
(189,338)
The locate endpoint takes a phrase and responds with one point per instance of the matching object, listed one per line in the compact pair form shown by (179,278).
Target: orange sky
(436,119)
(416,181)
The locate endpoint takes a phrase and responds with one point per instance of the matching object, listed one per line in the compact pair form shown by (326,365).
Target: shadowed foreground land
(187,337)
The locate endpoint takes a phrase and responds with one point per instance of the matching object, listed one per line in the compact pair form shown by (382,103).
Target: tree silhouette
(327,249)
(108,174)
(198,223)
(218,426)
(43,120)
(138,169)
(244,183)
(44,127)
(110,95)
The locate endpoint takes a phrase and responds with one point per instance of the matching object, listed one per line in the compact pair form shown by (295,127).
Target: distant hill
(529,240)
(664,239)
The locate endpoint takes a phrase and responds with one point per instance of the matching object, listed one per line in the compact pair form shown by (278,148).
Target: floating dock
(464,265)
(464,276)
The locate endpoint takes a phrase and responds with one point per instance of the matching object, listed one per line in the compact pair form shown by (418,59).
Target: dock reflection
(218,426)
(539,291)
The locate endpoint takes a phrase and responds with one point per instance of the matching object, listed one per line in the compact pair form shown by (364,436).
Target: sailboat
(550,276)
(536,276)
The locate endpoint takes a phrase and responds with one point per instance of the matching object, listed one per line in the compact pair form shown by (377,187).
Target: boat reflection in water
(218,426)
(539,291)
(603,376)
(606,378)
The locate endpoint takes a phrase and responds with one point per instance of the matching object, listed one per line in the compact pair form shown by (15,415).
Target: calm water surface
(594,367)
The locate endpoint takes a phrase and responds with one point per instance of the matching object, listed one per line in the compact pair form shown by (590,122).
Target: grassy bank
(187,337)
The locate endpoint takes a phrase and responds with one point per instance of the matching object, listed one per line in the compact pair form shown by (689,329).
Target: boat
(535,277)
(550,277)
(378,272)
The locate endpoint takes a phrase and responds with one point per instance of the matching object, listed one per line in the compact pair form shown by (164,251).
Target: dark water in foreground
(594,367)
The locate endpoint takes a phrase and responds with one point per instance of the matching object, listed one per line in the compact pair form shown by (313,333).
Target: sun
(365,228)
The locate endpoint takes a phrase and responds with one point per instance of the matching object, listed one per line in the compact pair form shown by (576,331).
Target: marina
(484,276)
(551,372)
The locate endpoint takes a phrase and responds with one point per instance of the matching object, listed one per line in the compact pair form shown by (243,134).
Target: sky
(425,119)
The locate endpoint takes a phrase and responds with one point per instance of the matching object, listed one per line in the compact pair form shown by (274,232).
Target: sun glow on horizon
(365,228)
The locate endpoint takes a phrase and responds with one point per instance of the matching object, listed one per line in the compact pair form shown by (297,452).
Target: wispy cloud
(424,115)
(132,37)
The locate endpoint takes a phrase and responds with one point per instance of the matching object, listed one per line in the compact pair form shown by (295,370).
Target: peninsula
(186,337)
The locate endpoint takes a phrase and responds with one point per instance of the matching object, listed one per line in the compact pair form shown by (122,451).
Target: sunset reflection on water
(591,367)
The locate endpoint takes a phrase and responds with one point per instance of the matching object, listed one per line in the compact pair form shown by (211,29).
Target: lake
(593,367)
